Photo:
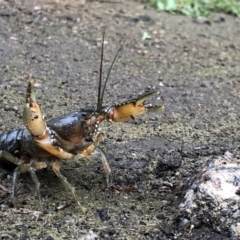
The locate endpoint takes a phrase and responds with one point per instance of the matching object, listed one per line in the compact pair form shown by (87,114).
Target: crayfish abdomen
(11,140)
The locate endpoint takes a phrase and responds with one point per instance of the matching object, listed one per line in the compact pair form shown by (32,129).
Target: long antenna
(110,69)
(99,100)
(101,93)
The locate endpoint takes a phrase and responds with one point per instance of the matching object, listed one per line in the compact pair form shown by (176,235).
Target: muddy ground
(194,65)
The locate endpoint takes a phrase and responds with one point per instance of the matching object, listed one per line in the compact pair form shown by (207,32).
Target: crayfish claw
(30,98)
(32,116)
(141,99)
(149,107)
(132,108)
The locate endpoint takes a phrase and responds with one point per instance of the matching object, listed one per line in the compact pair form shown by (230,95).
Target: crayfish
(42,144)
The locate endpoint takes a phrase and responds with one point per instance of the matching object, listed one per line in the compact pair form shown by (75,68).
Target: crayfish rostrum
(42,144)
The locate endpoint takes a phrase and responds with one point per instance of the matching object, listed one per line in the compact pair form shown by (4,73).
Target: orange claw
(131,109)
(33,120)
(32,116)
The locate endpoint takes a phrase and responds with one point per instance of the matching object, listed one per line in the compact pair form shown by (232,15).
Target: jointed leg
(16,174)
(63,179)
(32,167)
(87,152)
(94,149)
(37,184)
(9,157)
(106,167)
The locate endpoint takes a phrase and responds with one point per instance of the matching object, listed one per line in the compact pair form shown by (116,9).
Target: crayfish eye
(106,112)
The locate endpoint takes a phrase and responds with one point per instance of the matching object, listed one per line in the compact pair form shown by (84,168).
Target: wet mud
(195,67)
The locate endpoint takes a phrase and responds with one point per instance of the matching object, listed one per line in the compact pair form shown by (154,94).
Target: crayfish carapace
(42,144)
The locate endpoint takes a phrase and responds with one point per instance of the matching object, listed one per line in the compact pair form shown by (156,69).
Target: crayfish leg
(66,183)
(88,151)
(32,171)
(31,168)
(94,149)
(9,157)
(106,167)
(16,174)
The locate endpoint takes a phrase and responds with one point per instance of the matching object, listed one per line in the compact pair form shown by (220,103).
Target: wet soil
(194,65)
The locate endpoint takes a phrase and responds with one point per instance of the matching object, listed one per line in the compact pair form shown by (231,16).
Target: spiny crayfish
(42,144)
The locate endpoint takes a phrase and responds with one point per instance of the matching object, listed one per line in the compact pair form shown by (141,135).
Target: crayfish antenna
(101,90)
(99,100)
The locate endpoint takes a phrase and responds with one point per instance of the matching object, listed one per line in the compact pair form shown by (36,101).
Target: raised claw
(131,109)
(34,122)
(32,116)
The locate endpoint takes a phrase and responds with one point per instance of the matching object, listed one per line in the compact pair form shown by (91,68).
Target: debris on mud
(213,197)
